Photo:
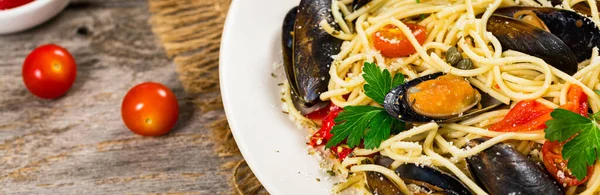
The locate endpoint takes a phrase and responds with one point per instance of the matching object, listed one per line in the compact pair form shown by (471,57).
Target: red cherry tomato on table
(392,43)
(9,4)
(150,109)
(49,71)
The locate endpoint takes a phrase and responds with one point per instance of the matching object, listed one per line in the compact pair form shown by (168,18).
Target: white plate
(272,145)
(29,15)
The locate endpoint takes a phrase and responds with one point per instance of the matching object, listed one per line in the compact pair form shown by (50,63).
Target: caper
(465,64)
(453,56)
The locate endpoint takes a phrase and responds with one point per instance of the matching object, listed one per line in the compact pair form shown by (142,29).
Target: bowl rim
(29,7)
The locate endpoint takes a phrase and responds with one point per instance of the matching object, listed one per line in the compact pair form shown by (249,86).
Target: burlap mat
(190,31)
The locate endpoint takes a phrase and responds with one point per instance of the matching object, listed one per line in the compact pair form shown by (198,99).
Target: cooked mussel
(287,40)
(429,180)
(570,39)
(307,63)
(578,32)
(436,97)
(521,36)
(501,169)
(381,185)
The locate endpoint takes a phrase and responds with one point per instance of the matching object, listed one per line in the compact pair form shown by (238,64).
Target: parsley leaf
(581,151)
(351,123)
(379,83)
(564,125)
(369,123)
(398,80)
(379,130)
(597,91)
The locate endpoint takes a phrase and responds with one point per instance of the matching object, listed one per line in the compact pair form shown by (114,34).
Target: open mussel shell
(381,185)
(430,176)
(432,179)
(501,169)
(287,40)
(578,32)
(520,36)
(399,103)
(307,62)
(313,49)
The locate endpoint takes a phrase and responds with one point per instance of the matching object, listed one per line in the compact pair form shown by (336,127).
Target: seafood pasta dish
(448,96)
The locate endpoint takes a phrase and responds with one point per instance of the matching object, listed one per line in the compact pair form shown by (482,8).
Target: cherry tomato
(341,152)
(150,109)
(576,101)
(49,71)
(9,4)
(392,43)
(557,166)
(530,115)
(527,115)
(323,134)
(317,116)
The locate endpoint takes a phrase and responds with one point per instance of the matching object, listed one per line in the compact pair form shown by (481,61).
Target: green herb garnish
(379,83)
(369,123)
(581,150)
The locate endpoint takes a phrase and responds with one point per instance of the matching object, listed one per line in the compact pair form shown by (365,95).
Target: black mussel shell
(578,32)
(307,53)
(381,185)
(397,105)
(501,169)
(287,40)
(520,36)
(435,177)
(416,174)
(313,50)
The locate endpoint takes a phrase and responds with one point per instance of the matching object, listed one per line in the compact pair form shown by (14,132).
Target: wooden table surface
(78,144)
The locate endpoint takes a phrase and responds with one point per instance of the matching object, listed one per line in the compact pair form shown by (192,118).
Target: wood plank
(78,144)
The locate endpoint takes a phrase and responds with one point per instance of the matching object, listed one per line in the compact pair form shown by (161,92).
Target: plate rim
(260,129)
(223,50)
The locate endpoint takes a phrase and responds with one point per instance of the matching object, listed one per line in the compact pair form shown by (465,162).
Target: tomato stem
(149,121)
(56,66)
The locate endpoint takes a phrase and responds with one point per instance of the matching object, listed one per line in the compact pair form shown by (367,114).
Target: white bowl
(29,15)
(274,148)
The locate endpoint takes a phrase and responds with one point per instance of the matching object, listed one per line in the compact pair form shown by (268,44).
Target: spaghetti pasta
(508,76)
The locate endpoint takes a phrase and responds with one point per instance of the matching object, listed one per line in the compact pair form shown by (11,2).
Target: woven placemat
(190,32)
